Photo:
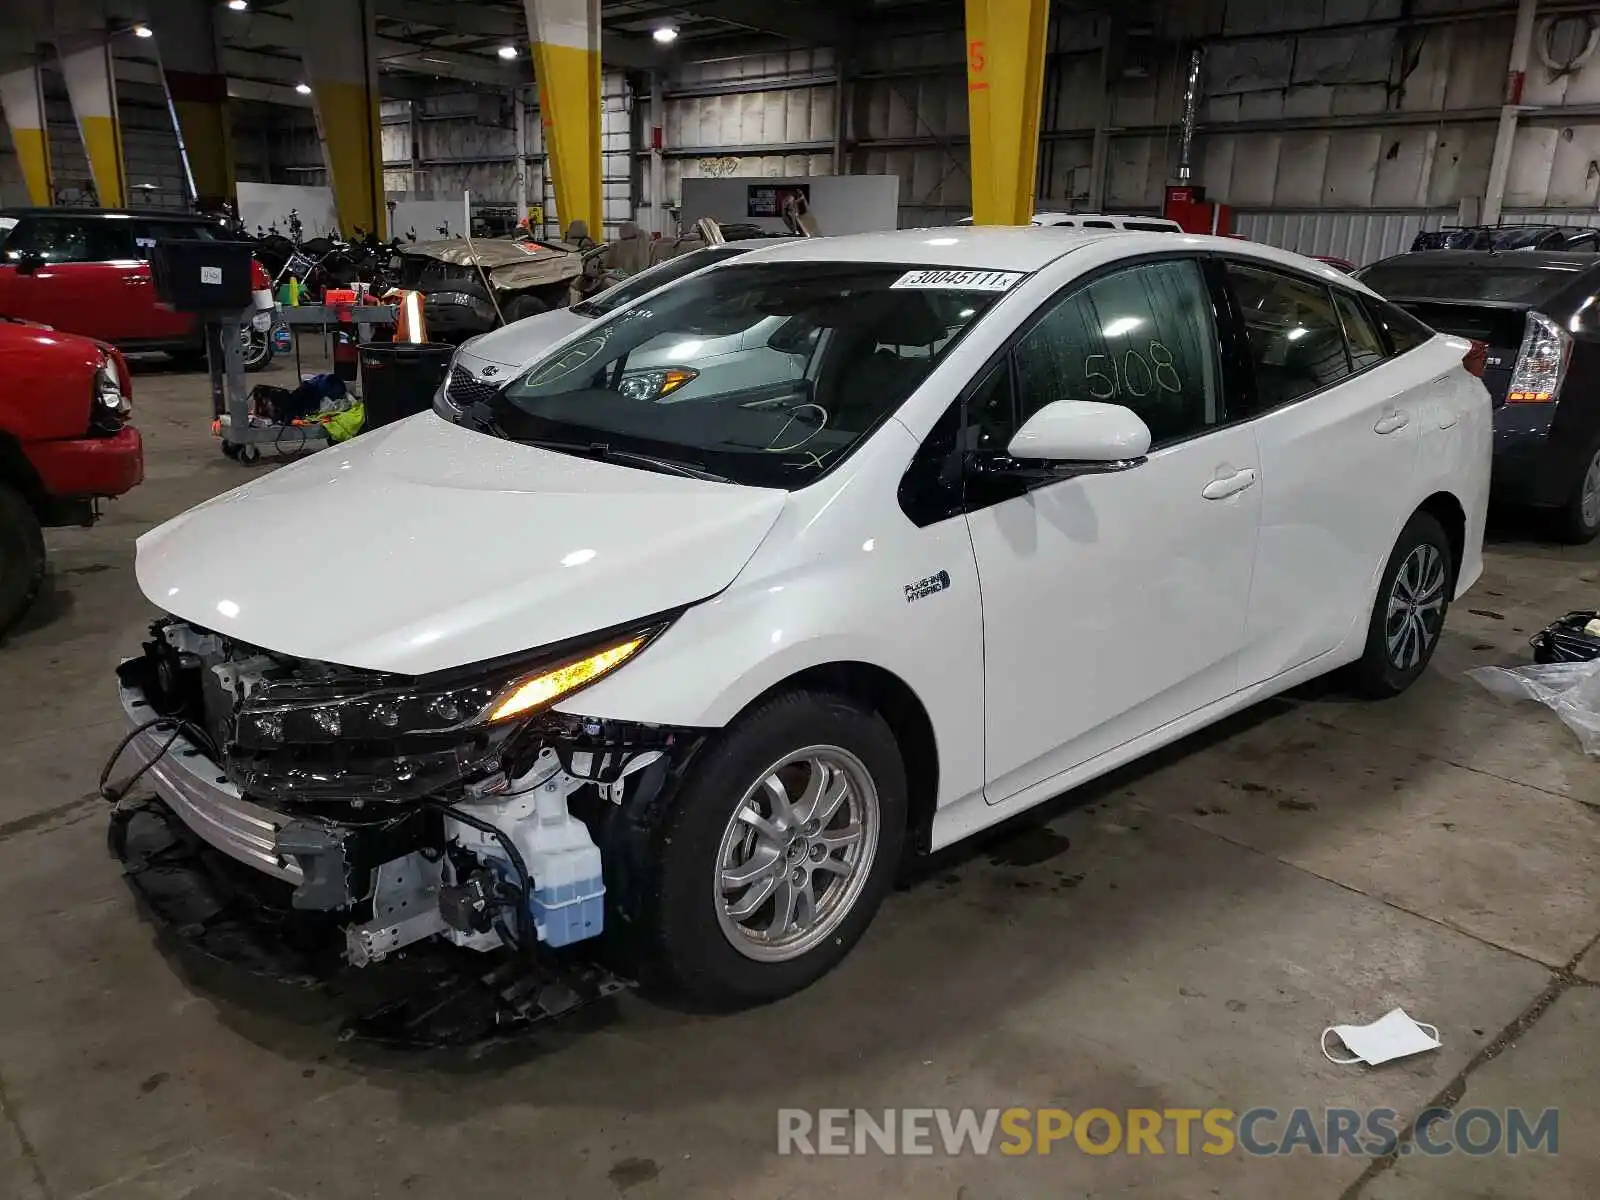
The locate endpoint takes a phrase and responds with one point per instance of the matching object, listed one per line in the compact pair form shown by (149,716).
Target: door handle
(1392,422)
(1221,489)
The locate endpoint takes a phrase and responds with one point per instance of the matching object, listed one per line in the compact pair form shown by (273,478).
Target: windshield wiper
(603,452)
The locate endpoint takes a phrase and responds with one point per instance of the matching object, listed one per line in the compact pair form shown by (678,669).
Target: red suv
(65,442)
(87,270)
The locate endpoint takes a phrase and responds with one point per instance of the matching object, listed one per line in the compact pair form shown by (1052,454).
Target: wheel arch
(1445,508)
(907,717)
(16,470)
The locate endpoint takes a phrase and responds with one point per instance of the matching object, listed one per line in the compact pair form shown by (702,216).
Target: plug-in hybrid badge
(927,586)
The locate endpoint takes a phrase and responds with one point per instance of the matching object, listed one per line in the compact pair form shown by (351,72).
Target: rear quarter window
(1401,331)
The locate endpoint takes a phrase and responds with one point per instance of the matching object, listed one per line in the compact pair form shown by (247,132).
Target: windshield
(645,282)
(1433,280)
(765,374)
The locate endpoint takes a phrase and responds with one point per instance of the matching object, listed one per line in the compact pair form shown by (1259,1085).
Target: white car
(1034,507)
(484,363)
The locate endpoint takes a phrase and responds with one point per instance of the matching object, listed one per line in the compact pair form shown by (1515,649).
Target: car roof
(1049,218)
(987,247)
(1029,248)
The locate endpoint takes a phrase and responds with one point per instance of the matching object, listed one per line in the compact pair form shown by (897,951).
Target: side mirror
(1083,437)
(27,263)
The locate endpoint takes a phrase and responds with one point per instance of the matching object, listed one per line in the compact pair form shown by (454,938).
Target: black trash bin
(398,379)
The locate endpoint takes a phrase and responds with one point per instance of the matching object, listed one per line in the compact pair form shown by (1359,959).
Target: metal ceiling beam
(271,29)
(811,24)
(474,19)
(618,50)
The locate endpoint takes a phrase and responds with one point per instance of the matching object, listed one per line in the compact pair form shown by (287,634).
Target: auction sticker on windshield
(960,281)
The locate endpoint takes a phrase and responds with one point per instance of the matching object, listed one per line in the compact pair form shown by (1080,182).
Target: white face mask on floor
(1386,1039)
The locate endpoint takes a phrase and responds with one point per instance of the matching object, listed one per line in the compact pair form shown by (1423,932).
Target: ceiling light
(303,88)
(238,5)
(665,34)
(507,51)
(143,31)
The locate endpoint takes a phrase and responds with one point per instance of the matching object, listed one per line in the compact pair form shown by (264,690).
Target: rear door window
(1295,336)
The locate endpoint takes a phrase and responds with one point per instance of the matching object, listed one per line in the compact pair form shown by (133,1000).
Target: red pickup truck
(87,270)
(65,442)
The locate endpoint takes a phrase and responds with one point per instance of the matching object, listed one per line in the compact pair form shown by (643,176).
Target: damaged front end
(376,812)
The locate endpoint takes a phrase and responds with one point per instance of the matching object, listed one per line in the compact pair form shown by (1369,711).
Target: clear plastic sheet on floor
(1569,689)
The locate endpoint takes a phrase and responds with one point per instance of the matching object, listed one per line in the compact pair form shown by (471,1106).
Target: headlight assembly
(432,709)
(652,383)
(530,695)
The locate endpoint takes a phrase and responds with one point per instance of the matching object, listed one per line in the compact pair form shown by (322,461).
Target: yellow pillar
(566,66)
(1005,85)
(22,99)
(92,88)
(197,89)
(336,41)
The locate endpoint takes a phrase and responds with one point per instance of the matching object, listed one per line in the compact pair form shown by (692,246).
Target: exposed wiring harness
(115,795)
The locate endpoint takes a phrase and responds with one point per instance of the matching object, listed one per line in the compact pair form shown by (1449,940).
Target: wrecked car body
(471,287)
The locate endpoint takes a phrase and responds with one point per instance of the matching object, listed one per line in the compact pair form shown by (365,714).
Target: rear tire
(831,868)
(22,556)
(1408,614)
(1580,516)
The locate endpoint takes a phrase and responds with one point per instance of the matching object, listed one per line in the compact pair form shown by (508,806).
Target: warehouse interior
(1172,941)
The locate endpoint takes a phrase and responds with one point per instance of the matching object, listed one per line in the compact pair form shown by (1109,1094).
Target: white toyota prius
(573,660)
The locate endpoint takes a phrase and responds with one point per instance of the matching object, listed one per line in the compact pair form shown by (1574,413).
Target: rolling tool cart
(246,441)
(212,280)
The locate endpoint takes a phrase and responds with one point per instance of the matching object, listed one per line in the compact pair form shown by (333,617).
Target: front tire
(1408,614)
(21,556)
(774,856)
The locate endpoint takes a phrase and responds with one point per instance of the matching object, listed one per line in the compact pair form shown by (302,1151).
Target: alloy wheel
(796,853)
(1416,607)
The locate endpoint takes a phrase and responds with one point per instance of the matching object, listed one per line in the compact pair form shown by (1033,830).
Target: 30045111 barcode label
(960,281)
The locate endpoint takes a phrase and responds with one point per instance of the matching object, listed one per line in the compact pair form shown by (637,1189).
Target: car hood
(423,546)
(518,344)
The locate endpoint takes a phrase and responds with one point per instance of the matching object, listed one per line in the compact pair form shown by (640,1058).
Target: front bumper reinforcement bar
(432,995)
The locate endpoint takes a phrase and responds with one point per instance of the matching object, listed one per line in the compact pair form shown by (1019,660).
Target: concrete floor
(1178,937)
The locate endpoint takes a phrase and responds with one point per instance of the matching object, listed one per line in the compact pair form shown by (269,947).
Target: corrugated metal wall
(1342,141)
(467,141)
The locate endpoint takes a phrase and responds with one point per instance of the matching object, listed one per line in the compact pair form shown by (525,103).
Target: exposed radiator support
(1191,107)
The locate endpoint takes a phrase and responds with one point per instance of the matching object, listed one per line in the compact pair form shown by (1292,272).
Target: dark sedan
(1538,314)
